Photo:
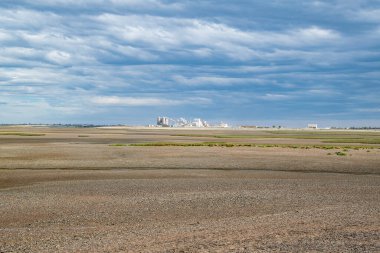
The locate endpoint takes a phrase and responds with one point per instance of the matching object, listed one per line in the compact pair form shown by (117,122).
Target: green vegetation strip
(20,134)
(224,144)
(322,132)
(350,140)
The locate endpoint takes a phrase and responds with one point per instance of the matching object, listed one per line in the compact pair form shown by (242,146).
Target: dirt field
(74,190)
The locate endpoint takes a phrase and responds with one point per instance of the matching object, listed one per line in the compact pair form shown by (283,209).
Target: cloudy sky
(285,62)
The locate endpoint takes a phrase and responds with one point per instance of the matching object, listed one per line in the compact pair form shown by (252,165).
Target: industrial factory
(182,122)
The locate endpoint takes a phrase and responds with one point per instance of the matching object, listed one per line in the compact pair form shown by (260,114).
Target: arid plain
(186,190)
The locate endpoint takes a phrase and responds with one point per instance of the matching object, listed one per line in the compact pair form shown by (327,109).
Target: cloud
(5,36)
(172,35)
(316,34)
(58,57)
(146,101)
(120,39)
(368,15)
(96,5)
(322,92)
(275,97)
(368,110)
(153,56)
(208,80)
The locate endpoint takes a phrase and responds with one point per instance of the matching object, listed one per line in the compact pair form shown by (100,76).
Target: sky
(283,62)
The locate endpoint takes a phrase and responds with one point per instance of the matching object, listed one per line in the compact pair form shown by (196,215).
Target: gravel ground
(70,191)
(188,211)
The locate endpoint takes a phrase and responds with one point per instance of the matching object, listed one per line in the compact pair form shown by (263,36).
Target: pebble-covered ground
(88,190)
(188,211)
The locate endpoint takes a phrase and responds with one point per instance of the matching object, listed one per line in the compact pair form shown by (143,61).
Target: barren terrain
(89,190)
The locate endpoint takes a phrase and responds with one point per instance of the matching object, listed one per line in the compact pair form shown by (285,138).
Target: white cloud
(275,97)
(208,80)
(146,101)
(202,52)
(27,19)
(105,4)
(106,37)
(174,34)
(316,35)
(20,52)
(124,50)
(58,57)
(371,15)
(5,36)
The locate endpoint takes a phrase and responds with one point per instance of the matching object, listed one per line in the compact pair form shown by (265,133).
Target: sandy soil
(64,193)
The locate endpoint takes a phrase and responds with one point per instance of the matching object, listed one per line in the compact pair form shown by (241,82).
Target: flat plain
(188,190)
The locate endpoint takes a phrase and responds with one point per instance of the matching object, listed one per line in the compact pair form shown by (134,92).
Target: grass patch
(333,137)
(83,136)
(229,144)
(118,145)
(340,153)
(193,135)
(251,136)
(211,144)
(326,133)
(177,144)
(352,140)
(20,134)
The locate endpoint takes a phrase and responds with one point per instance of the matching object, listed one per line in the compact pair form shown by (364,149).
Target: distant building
(222,124)
(198,123)
(312,126)
(163,121)
(181,122)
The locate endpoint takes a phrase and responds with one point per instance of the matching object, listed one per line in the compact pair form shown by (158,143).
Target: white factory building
(312,126)
(182,122)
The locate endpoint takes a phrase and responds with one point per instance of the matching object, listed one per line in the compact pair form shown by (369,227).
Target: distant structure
(312,126)
(163,121)
(199,123)
(182,122)
(223,125)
